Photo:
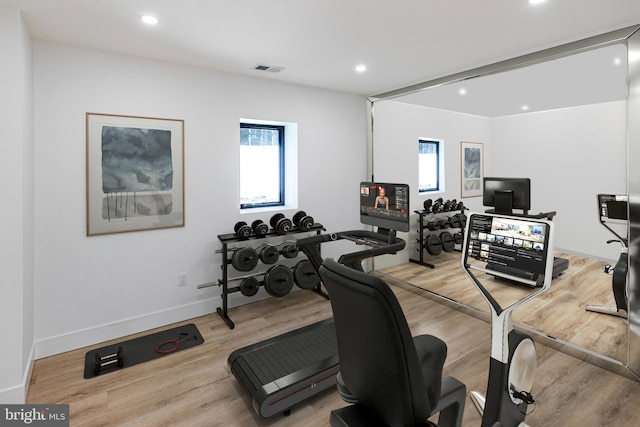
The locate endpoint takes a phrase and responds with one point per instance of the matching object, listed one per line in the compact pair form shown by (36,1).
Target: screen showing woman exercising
(519,244)
(385,205)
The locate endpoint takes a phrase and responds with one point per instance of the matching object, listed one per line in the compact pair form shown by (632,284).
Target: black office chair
(392,378)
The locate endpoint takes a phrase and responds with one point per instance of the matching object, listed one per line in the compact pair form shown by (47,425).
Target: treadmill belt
(278,359)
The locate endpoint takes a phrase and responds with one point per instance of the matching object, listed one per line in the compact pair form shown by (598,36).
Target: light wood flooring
(559,312)
(194,387)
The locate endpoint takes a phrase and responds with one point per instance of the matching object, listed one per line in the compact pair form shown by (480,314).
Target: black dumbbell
(260,228)
(290,251)
(269,254)
(458,238)
(249,286)
(427,205)
(281,224)
(448,241)
(437,205)
(303,221)
(100,362)
(242,230)
(244,259)
(433,244)
(446,206)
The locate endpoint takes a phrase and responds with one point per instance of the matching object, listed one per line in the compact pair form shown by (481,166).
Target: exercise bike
(614,207)
(524,248)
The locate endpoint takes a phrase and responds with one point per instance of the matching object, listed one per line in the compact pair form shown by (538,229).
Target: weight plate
(290,251)
(278,281)
(275,218)
(260,228)
(305,276)
(298,216)
(455,221)
(244,259)
(283,226)
(458,238)
(306,223)
(249,286)
(433,245)
(242,230)
(269,254)
(445,222)
(448,244)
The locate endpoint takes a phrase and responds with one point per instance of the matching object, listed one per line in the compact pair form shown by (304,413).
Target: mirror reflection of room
(546,123)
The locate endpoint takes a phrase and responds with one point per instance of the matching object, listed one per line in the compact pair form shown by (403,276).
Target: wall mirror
(585,86)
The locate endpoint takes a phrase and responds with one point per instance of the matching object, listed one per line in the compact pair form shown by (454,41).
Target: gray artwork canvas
(136,169)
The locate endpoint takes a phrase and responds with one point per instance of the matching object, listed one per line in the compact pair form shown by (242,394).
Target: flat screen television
(385,205)
(507,194)
(516,248)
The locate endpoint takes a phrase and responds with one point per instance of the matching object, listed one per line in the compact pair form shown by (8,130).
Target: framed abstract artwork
(471,169)
(135,173)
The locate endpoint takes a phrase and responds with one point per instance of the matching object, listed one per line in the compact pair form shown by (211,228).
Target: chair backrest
(378,358)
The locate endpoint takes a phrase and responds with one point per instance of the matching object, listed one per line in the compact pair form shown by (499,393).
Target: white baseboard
(100,333)
(17,395)
(96,334)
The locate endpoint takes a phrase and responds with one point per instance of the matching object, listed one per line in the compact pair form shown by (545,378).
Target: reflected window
(429,165)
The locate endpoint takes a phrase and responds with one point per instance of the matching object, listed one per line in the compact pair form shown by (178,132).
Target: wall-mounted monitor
(385,205)
(506,194)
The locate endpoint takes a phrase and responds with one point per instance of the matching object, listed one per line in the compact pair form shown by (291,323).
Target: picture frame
(471,168)
(134,173)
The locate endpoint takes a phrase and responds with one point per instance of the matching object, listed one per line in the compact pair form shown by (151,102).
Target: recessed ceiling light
(525,107)
(536,1)
(617,61)
(462,91)
(148,19)
(361,68)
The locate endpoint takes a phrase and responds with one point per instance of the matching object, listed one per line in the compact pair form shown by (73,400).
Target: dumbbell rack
(225,240)
(421,239)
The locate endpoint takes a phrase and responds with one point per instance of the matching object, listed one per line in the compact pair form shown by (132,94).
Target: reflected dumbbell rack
(244,252)
(435,225)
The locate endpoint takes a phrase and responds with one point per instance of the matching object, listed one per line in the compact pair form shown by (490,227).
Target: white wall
(16,227)
(397,129)
(570,155)
(89,289)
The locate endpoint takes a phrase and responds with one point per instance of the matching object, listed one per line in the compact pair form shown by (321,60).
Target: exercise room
(270,213)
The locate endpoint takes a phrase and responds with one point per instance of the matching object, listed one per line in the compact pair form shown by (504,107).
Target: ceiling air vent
(268,68)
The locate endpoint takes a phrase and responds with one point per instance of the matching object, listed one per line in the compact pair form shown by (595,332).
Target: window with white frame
(429,165)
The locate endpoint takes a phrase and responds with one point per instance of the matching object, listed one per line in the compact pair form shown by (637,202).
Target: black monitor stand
(391,235)
(503,202)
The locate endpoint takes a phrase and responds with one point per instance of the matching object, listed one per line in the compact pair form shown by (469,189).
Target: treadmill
(280,372)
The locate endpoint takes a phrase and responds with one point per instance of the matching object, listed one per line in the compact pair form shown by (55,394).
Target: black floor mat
(142,349)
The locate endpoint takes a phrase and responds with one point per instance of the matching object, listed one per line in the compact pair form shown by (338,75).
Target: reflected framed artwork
(135,173)
(471,169)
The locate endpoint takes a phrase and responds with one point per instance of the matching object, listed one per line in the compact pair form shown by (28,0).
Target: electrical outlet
(182,279)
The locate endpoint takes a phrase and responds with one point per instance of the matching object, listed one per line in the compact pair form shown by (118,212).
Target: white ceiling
(590,77)
(319,43)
